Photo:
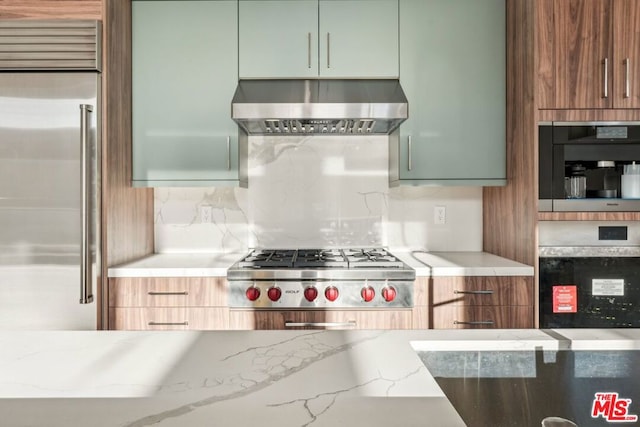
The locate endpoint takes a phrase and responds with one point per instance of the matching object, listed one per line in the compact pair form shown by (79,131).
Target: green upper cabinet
(185,56)
(318,38)
(278,38)
(452,69)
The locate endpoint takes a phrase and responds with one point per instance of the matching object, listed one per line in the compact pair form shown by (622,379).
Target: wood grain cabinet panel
(482,290)
(482,317)
(51,9)
(148,318)
(168,292)
(481,302)
(196,303)
(420,310)
(588,54)
(317,319)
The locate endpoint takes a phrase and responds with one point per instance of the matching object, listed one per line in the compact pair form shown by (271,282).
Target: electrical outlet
(440,215)
(205,214)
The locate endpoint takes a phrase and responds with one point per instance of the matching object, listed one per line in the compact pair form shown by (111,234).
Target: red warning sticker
(565,299)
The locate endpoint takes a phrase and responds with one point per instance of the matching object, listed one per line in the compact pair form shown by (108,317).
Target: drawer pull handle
(155,293)
(486,292)
(185,323)
(480,322)
(349,324)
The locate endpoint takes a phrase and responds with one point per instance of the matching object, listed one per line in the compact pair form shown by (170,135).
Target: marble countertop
(425,264)
(438,264)
(178,265)
(247,378)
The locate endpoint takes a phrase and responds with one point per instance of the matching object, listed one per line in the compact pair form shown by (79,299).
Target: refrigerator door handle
(86,272)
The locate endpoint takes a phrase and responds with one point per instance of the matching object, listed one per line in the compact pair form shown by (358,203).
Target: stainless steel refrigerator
(49,187)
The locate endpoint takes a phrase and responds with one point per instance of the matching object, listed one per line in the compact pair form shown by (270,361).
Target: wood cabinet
(325,38)
(588,54)
(185,71)
(198,303)
(420,310)
(320,319)
(51,9)
(481,302)
(452,61)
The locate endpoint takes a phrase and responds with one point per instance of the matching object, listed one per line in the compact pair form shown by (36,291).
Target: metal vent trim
(50,44)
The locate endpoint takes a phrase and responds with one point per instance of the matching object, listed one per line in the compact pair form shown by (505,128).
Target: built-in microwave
(589,166)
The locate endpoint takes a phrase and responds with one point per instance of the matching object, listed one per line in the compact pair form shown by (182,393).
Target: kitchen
(363,210)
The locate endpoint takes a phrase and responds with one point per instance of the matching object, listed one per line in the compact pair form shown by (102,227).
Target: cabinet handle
(328,50)
(185,323)
(86,273)
(349,324)
(605,93)
(156,293)
(309,50)
(409,159)
(228,153)
(486,292)
(480,322)
(627,86)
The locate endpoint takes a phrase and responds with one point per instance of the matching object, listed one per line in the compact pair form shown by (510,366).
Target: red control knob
(367,293)
(310,293)
(253,293)
(274,293)
(389,293)
(331,293)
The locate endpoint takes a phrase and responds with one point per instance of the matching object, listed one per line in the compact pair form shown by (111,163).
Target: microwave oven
(589,166)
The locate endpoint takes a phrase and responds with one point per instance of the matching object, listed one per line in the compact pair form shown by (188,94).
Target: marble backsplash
(317,192)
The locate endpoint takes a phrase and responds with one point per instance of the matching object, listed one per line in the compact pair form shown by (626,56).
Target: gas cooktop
(309,264)
(319,258)
(320,278)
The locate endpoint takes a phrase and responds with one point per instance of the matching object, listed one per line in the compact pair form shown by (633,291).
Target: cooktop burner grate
(320,258)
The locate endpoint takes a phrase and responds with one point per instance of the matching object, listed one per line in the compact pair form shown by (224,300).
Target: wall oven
(589,166)
(589,275)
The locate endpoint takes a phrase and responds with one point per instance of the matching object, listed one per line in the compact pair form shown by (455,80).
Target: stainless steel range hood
(340,107)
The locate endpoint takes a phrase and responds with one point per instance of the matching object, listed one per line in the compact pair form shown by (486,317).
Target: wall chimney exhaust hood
(332,107)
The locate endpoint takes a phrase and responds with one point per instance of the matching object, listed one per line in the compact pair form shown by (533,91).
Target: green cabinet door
(359,38)
(184,76)
(311,38)
(278,38)
(452,69)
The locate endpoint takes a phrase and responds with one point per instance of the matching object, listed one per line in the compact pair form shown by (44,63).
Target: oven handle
(349,324)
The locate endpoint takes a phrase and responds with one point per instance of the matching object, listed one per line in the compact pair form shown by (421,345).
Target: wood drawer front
(482,290)
(208,318)
(482,317)
(144,318)
(168,292)
(169,318)
(347,319)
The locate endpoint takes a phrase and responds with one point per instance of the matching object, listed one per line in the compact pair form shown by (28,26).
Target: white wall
(321,191)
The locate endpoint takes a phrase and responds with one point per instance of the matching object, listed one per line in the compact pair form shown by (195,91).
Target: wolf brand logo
(612,408)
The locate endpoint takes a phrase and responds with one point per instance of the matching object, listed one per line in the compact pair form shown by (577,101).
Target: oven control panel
(280,294)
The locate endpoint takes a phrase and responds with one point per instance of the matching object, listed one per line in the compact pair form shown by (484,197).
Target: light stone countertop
(439,264)
(425,264)
(178,265)
(248,378)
